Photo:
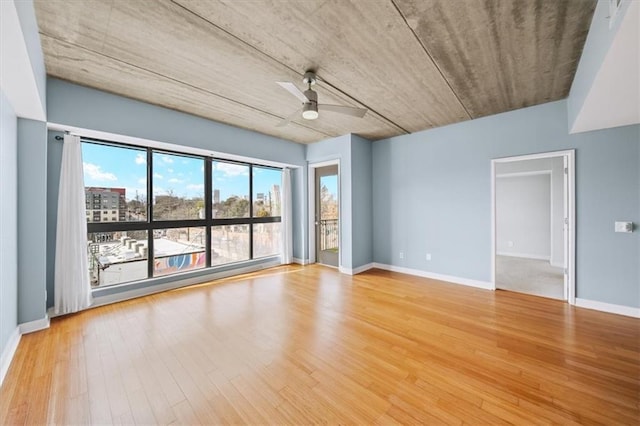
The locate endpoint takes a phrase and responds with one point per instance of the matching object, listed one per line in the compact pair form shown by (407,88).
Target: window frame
(150,225)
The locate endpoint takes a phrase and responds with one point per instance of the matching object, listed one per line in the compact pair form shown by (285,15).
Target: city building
(106,204)
(275,198)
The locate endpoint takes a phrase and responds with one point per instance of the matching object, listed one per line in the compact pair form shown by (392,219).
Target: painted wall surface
(433,194)
(556,166)
(8,222)
(27,16)
(362,200)
(67,105)
(32,219)
(595,49)
(54,160)
(339,149)
(523,216)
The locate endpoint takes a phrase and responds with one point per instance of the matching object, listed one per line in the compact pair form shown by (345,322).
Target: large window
(147,213)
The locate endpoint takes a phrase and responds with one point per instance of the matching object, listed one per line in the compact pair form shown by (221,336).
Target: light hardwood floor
(302,345)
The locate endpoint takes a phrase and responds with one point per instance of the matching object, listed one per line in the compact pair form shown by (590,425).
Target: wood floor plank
(308,345)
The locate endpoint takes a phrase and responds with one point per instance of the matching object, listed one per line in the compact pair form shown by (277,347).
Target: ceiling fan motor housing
(312,96)
(310,109)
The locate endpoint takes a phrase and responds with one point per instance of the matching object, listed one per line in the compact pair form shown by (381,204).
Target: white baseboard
(300,261)
(355,271)
(525,256)
(440,277)
(8,353)
(628,311)
(557,265)
(37,325)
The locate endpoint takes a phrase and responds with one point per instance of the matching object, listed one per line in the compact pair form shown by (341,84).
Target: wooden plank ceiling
(415,64)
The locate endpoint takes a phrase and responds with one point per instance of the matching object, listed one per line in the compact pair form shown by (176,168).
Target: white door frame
(570,199)
(311,178)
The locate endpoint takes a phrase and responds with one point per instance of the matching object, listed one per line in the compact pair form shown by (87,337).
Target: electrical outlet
(624,226)
(401,255)
(428,256)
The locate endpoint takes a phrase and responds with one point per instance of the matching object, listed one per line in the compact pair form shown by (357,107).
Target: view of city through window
(133,236)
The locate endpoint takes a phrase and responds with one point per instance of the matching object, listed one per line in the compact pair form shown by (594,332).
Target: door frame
(570,199)
(311,179)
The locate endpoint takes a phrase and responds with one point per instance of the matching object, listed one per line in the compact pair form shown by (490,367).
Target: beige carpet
(529,276)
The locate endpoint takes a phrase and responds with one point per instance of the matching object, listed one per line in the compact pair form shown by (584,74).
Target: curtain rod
(59,138)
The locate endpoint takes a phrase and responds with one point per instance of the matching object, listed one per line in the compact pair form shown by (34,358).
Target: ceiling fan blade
(291,88)
(355,112)
(289,118)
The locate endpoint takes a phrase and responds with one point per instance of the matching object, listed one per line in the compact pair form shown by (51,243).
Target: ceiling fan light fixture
(310,114)
(310,111)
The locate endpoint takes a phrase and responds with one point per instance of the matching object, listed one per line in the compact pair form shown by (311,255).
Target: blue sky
(331,182)
(127,168)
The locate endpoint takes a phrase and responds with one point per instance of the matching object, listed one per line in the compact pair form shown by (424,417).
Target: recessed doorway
(533,232)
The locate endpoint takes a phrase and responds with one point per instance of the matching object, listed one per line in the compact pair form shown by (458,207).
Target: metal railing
(328,234)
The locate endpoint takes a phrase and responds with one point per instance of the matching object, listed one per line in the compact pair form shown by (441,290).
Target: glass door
(327,217)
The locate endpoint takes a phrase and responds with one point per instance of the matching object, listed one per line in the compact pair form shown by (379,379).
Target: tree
(233,206)
(328,203)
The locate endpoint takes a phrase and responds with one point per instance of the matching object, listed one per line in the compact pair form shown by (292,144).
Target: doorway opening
(533,224)
(325,214)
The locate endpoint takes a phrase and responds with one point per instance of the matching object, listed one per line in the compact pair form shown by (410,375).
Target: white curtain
(72,286)
(286,214)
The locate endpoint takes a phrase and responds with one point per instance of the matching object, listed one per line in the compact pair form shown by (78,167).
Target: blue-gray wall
(54,160)
(432,193)
(8,222)
(32,219)
(73,105)
(80,106)
(362,201)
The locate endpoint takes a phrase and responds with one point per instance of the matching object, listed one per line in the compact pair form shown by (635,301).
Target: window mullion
(208,203)
(150,250)
(251,212)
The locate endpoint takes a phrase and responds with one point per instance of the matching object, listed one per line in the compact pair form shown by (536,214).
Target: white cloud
(170,170)
(142,181)
(167,159)
(95,172)
(229,169)
(194,186)
(141,159)
(157,176)
(174,180)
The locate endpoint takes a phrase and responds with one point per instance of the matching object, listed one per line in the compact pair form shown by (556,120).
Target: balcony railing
(329,234)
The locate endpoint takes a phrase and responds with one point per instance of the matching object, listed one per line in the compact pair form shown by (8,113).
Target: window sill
(125,291)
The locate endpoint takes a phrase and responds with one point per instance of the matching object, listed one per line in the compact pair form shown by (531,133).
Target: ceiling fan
(309,98)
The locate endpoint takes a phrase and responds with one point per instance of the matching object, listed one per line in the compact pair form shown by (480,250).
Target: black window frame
(150,225)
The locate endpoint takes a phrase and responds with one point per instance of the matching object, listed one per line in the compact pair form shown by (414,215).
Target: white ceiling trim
(614,97)
(17,80)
